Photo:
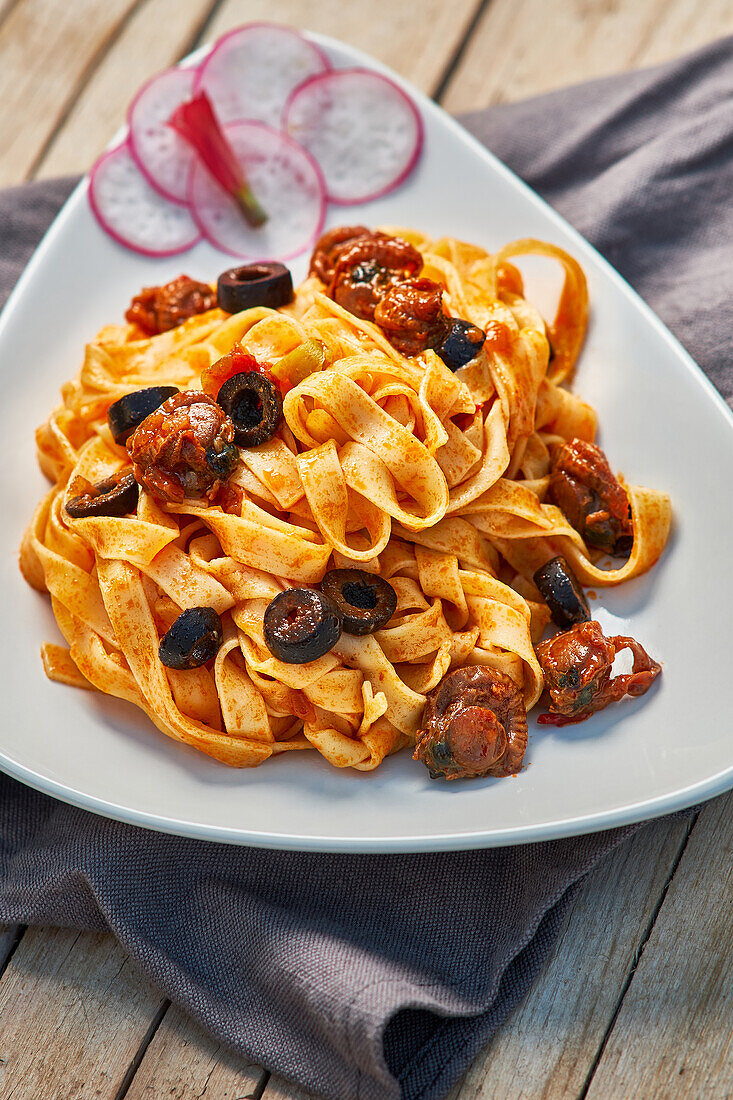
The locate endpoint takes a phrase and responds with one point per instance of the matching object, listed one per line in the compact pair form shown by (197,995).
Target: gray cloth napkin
(380,977)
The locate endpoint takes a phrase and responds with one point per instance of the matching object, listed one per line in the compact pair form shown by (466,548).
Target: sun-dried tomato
(330,246)
(411,316)
(157,309)
(368,268)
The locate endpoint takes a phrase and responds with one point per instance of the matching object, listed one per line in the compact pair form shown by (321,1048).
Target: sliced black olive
(301,625)
(254,404)
(267,284)
(130,411)
(223,462)
(562,593)
(193,639)
(462,343)
(115,496)
(366,602)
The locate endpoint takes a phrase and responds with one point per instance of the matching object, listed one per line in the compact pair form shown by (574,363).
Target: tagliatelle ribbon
(326,488)
(258,539)
(411,467)
(434,480)
(567,331)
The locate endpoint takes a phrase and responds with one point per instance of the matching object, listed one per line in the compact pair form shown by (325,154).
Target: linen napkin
(380,977)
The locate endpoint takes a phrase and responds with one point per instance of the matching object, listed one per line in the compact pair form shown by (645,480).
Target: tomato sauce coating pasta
(434,479)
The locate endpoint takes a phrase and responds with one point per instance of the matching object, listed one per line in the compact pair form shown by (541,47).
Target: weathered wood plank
(73,1012)
(278,1089)
(420,49)
(417,41)
(46,48)
(684,25)
(549,1045)
(5,6)
(673,1034)
(505,59)
(182,1062)
(134,57)
(523,49)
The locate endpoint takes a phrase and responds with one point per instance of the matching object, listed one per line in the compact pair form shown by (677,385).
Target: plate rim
(687,799)
(624,815)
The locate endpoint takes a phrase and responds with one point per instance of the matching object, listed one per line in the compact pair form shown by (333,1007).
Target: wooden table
(637,999)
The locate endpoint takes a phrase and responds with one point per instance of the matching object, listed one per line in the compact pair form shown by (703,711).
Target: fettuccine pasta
(435,480)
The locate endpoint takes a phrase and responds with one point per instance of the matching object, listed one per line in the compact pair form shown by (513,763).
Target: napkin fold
(380,977)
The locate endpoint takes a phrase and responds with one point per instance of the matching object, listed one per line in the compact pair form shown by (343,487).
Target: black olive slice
(562,593)
(115,496)
(461,344)
(254,404)
(301,625)
(366,602)
(129,412)
(194,639)
(266,284)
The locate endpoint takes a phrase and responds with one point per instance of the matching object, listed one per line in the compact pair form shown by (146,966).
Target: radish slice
(363,130)
(163,157)
(286,181)
(251,72)
(134,213)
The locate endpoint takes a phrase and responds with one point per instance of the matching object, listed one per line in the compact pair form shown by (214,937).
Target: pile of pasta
(434,480)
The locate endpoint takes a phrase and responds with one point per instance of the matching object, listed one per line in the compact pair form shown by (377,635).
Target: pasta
(435,480)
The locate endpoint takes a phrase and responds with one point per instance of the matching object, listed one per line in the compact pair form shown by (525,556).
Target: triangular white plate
(662,424)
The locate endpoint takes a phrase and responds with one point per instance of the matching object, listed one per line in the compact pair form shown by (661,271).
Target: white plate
(662,424)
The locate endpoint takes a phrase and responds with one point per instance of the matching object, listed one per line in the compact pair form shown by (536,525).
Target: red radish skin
(252,70)
(133,213)
(287,182)
(363,157)
(162,156)
(351,136)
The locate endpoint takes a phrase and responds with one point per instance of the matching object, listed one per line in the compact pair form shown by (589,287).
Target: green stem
(250,207)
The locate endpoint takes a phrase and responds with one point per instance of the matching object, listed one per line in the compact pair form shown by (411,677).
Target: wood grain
(5,6)
(673,1035)
(182,1062)
(279,1089)
(419,49)
(73,1012)
(418,41)
(46,49)
(550,1044)
(684,25)
(521,50)
(133,57)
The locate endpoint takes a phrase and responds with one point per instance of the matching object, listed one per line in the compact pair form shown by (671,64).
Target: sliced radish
(134,213)
(363,130)
(252,70)
(286,181)
(162,156)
